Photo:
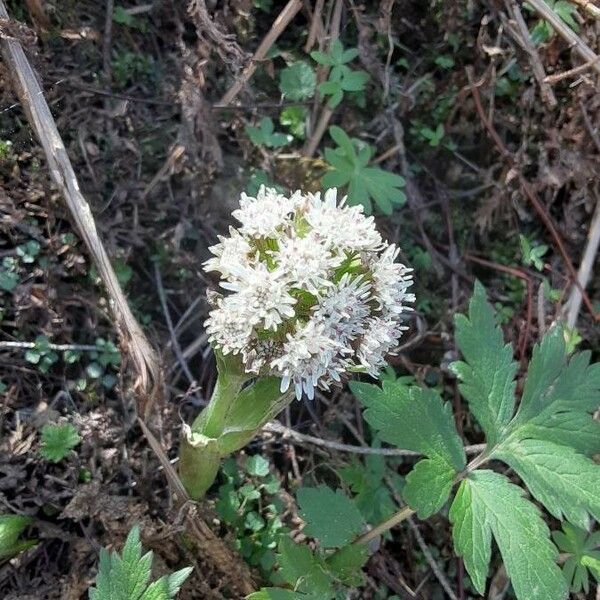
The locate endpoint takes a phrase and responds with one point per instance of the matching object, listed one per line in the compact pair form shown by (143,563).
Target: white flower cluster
(314,291)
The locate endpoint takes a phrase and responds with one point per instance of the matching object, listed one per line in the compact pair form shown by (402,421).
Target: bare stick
(543,9)
(571,72)
(394,520)
(589,7)
(149,379)
(281,22)
(316,25)
(55,347)
(439,574)
(573,305)
(534,58)
(286,432)
(327,112)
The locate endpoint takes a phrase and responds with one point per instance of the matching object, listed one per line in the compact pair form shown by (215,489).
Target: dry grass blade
(149,377)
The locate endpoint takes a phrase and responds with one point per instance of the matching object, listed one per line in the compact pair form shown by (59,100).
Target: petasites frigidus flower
(311,290)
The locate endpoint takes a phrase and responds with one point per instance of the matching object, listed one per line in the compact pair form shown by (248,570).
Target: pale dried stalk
(534,57)
(281,22)
(149,378)
(327,112)
(316,26)
(571,72)
(589,7)
(566,33)
(573,304)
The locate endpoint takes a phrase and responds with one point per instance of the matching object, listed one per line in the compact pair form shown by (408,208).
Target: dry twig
(149,377)
(281,22)
(571,72)
(573,304)
(327,112)
(589,7)
(302,438)
(574,41)
(534,58)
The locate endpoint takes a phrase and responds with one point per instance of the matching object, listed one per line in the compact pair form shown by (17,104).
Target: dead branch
(543,9)
(573,304)
(149,378)
(589,7)
(534,58)
(327,112)
(571,72)
(281,22)
(225,45)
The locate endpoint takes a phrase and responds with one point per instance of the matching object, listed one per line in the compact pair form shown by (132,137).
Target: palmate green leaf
(58,441)
(558,389)
(126,576)
(488,504)
(298,81)
(331,517)
(417,419)
(565,482)
(584,555)
(488,372)
(365,184)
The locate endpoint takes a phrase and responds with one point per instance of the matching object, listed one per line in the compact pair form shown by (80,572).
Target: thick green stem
(231,419)
(211,421)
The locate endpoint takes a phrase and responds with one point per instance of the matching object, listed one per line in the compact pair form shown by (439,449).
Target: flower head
(312,289)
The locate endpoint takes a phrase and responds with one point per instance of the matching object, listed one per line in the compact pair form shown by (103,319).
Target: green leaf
(354,81)
(302,569)
(321,58)
(488,373)
(257,466)
(412,418)
(330,516)
(364,183)
(346,564)
(58,441)
(487,503)
(265,135)
(372,496)
(556,386)
(126,576)
(11,528)
(428,486)
(565,482)
(8,281)
(584,555)
(297,82)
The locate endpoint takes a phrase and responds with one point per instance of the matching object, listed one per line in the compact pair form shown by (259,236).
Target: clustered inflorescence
(314,291)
